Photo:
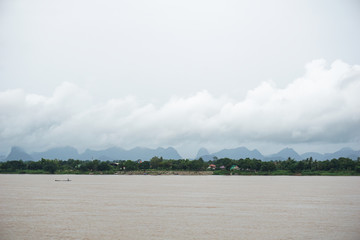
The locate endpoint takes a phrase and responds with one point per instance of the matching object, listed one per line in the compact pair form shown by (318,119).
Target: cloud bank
(321,106)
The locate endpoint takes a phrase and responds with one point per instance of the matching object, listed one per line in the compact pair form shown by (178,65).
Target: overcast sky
(186,74)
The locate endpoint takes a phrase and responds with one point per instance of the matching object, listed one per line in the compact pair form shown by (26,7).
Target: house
(234,167)
(212,166)
(222,167)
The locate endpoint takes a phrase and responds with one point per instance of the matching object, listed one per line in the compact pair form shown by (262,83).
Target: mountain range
(116,153)
(243,152)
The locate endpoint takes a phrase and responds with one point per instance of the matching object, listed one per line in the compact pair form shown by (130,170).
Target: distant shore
(160,166)
(193,173)
(233,173)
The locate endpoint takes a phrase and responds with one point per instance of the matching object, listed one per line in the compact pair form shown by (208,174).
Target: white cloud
(322,106)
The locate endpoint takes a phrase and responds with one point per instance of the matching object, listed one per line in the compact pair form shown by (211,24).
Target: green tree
(144,165)
(34,165)
(12,166)
(267,166)
(104,166)
(130,165)
(50,166)
(197,165)
(155,162)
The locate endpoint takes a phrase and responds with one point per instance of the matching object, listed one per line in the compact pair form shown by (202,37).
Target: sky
(183,74)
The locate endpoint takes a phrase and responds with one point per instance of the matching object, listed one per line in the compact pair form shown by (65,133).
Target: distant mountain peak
(17,149)
(17,153)
(239,152)
(202,152)
(285,154)
(287,150)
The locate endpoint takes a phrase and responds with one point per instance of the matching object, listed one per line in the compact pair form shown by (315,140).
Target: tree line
(218,166)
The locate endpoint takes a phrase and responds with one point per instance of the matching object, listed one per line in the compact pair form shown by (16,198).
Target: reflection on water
(179,207)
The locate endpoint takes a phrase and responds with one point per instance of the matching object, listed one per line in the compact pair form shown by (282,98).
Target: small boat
(62,180)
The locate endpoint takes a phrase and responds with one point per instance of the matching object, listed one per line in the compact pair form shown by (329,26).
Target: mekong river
(179,207)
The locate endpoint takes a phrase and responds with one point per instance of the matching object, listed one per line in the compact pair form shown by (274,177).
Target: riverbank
(159,166)
(192,173)
(239,173)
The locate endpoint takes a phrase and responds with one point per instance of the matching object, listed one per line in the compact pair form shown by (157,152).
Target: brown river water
(179,207)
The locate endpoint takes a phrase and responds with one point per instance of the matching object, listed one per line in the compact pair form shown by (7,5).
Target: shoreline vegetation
(160,166)
(191,173)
